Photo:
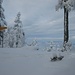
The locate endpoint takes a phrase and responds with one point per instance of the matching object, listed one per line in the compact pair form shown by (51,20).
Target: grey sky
(39,18)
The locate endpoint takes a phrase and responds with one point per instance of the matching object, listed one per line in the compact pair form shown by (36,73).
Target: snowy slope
(28,61)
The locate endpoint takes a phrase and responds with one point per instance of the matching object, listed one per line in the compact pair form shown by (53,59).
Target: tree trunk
(1,38)
(66,32)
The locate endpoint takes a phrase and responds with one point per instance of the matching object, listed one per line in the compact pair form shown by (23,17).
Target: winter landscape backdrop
(36,41)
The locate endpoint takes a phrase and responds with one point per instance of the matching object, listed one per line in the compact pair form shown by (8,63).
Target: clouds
(73,37)
(39,17)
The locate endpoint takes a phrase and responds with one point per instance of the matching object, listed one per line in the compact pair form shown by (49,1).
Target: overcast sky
(39,18)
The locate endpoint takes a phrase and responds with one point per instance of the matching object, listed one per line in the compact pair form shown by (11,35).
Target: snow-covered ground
(29,61)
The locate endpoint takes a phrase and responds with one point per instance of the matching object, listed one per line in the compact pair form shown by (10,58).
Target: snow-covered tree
(2,23)
(68,5)
(10,37)
(6,40)
(19,35)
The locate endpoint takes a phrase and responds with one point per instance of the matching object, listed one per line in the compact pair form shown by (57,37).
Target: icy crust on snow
(28,61)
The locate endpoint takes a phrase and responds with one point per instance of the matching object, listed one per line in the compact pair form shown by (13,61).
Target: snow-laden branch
(68,4)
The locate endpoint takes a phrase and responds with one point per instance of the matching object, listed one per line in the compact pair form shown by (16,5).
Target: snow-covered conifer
(19,35)
(2,23)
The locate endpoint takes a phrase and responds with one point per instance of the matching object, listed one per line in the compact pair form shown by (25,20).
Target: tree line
(13,36)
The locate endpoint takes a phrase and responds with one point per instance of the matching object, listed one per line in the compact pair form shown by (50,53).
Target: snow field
(28,61)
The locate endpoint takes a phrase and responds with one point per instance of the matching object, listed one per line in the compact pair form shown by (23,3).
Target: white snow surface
(28,61)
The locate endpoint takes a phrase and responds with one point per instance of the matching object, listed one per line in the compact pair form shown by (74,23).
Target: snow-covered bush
(32,43)
(48,49)
(52,46)
(66,46)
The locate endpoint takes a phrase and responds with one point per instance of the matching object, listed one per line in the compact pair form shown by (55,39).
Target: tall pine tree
(2,23)
(19,35)
(68,5)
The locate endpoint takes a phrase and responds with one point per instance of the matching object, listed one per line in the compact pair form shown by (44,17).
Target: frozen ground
(28,61)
